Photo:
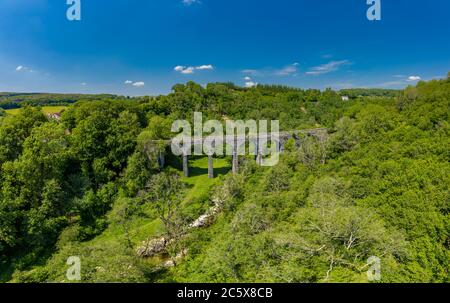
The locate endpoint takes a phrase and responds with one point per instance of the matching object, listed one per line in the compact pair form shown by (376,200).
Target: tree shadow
(195,171)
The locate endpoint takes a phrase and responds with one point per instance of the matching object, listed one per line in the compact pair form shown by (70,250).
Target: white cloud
(135,84)
(414,78)
(288,70)
(402,80)
(83,84)
(139,84)
(179,68)
(327,68)
(190,2)
(248,79)
(22,68)
(252,72)
(250,84)
(188,70)
(205,67)
(191,69)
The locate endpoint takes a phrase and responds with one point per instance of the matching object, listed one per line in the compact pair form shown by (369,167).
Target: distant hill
(369,92)
(17,100)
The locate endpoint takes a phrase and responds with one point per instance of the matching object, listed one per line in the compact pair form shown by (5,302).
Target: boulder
(151,248)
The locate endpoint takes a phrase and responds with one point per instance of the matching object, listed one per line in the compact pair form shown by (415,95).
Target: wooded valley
(89,185)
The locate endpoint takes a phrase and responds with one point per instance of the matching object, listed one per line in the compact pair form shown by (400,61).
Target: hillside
(18,100)
(90,186)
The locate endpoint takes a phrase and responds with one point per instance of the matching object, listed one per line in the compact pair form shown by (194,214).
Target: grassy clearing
(199,182)
(141,228)
(45,109)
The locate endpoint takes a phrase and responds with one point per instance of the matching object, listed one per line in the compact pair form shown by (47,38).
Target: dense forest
(18,100)
(89,186)
(365,92)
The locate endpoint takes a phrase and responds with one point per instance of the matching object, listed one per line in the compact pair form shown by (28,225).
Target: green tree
(15,129)
(33,189)
(165,195)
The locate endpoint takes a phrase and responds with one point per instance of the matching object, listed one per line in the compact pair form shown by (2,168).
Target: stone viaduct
(256,145)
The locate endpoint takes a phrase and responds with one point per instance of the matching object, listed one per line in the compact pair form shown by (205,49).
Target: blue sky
(155,44)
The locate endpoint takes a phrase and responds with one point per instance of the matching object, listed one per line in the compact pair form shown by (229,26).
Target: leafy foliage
(91,185)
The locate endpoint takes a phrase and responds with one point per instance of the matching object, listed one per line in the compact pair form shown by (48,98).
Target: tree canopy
(91,185)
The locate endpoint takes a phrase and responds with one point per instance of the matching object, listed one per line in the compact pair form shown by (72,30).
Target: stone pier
(259,152)
(235,161)
(210,167)
(258,144)
(186,165)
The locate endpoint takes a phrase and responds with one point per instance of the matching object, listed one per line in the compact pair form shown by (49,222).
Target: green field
(199,182)
(46,110)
